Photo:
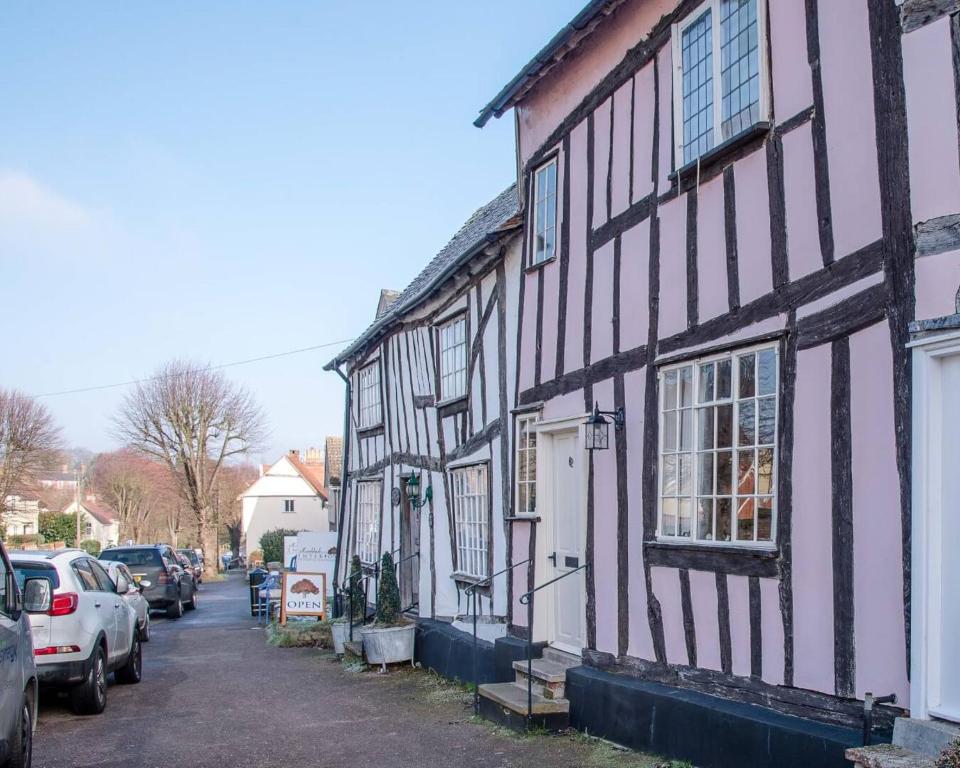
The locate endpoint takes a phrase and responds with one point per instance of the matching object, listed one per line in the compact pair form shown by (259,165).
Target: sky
(227,180)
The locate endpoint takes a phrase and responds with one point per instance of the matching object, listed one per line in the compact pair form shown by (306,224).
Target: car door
(121,611)
(103,603)
(10,684)
(133,598)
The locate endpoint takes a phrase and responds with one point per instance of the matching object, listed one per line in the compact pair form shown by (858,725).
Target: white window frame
(458,374)
(762,64)
(554,162)
(521,459)
(369,501)
(471,522)
(731,355)
(370,396)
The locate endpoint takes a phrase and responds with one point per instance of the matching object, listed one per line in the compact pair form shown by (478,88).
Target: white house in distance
(21,513)
(96,521)
(288,494)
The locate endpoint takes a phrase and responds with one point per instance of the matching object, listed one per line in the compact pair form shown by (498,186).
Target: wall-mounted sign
(317,553)
(303,594)
(395,497)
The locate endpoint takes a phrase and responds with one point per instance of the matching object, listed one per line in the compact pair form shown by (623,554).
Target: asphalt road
(215,694)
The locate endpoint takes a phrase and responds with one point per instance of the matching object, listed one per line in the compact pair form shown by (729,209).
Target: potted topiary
(390,639)
(340,627)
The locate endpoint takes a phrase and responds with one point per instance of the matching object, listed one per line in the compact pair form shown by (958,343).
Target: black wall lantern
(413,492)
(597,428)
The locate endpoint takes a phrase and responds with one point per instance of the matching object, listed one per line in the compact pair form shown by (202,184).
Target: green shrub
(354,585)
(300,634)
(16,541)
(271,543)
(388,593)
(55,526)
(91,547)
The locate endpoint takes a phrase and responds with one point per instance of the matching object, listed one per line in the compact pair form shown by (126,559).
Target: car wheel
(145,629)
(90,697)
(21,750)
(194,600)
(131,672)
(175,610)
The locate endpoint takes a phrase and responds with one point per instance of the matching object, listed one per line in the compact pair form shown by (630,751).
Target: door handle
(96,605)
(553,558)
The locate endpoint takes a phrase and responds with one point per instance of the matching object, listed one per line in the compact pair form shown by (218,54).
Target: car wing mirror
(145,584)
(36,595)
(123,586)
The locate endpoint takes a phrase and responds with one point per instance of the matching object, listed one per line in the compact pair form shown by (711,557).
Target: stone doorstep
(887,756)
(564,659)
(927,737)
(549,677)
(514,698)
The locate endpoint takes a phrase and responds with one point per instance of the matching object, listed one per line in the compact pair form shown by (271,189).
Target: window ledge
(522,518)
(370,431)
(539,265)
(452,406)
(719,558)
(713,157)
(467,579)
(451,400)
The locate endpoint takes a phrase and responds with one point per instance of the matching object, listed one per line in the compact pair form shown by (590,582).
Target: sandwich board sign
(303,594)
(290,548)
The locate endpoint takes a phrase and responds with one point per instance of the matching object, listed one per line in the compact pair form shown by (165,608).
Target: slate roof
(485,225)
(566,40)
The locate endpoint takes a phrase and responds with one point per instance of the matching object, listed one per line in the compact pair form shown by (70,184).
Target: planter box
(388,645)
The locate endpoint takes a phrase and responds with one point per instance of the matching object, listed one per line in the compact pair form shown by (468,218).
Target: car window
(134,557)
(87,580)
(24,571)
(106,583)
(3,585)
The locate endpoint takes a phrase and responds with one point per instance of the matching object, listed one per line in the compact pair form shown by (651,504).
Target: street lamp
(413,492)
(597,428)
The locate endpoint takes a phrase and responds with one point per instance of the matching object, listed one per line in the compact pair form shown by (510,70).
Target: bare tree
(234,480)
(194,420)
(134,487)
(29,441)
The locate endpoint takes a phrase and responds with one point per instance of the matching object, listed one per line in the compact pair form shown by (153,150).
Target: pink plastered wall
(605,564)
(577,275)
(812,523)
(931,121)
(879,628)
(851,136)
(620,179)
(643,133)
(641,641)
(673,267)
(753,227)
(703,598)
(562,90)
(634,286)
(548,342)
(799,183)
(738,590)
(601,161)
(937,283)
(521,550)
(602,309)
(711,251)
(528,341)
(771,630)
(792,88)
(666,588)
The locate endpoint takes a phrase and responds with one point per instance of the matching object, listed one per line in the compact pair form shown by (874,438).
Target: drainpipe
(345,463)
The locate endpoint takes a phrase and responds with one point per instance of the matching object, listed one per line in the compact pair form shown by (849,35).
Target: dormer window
(718,97)
(544,213)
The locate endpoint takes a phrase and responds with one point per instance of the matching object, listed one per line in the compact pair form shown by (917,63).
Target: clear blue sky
(222,180)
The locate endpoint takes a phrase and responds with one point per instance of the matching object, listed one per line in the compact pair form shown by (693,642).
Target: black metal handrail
(404,559)
(527,599)
(472,591)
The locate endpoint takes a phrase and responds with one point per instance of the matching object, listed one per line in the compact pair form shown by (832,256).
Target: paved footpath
(215,695)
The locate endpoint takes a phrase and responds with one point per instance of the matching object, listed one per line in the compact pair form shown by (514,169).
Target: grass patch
(300,634)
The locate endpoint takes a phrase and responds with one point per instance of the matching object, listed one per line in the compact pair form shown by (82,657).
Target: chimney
(295,452)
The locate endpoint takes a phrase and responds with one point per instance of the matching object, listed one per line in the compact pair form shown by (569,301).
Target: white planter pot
(388,645)
(341,632)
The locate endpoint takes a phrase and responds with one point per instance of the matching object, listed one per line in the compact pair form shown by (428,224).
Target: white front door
(568,545)
(949,630)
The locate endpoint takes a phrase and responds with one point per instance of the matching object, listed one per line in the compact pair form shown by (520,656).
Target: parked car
(194,560)
(171,587)
(18,673)
(82,627)
(134,595)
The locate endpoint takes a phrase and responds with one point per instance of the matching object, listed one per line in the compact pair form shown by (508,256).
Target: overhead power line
(198,370)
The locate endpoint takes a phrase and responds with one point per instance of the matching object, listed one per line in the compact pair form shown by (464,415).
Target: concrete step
(506,704)
(353,648)
(562,658)
(549,677)
(887,756)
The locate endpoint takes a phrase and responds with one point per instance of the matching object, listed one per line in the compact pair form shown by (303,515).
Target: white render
(264,505)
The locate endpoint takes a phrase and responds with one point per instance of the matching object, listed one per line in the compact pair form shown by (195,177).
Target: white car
(83,629)
(134,595)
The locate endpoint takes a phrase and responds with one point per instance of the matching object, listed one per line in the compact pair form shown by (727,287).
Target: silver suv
(18,674)
(83,629)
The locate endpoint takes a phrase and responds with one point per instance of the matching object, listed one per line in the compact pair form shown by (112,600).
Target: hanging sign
(303,594)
